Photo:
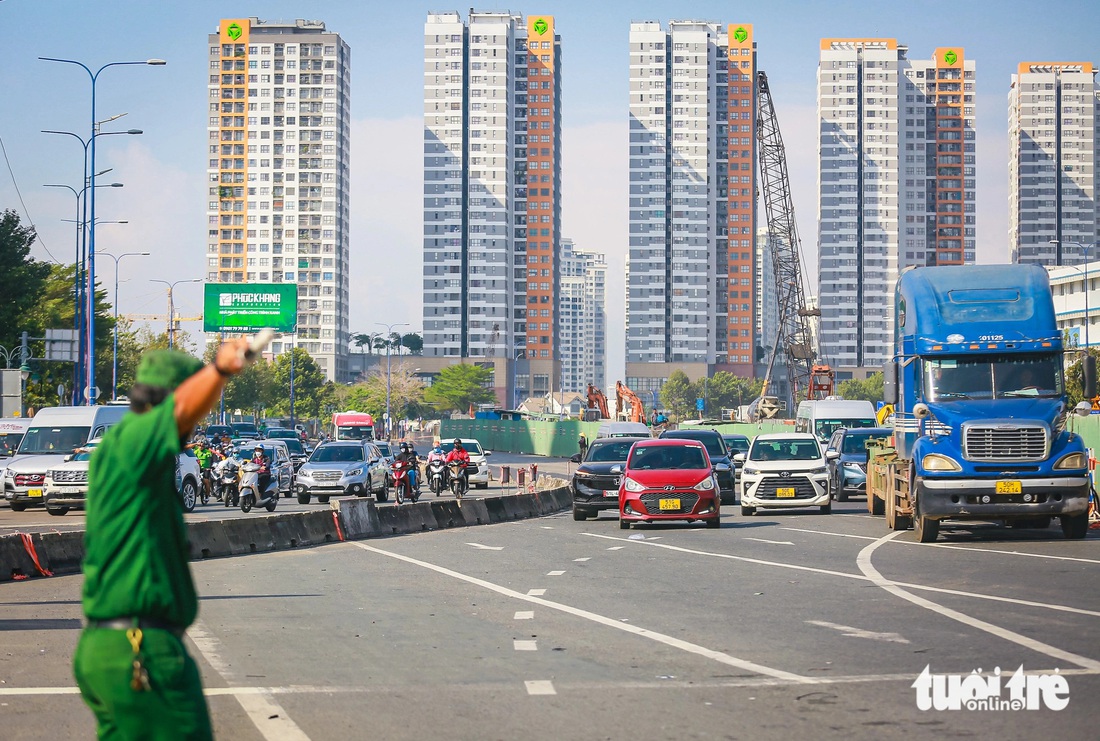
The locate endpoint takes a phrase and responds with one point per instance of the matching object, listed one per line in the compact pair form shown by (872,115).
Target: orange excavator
(596,400)
(625,395)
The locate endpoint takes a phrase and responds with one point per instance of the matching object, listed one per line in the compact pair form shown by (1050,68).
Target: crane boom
(794,316)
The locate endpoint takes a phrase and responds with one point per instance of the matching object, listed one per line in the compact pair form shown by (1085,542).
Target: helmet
(458,442)
(405,446)
(259,448)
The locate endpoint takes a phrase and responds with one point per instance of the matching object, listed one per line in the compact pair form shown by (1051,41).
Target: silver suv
(343,467)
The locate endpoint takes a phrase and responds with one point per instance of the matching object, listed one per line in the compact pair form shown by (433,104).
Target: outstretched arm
(196,396)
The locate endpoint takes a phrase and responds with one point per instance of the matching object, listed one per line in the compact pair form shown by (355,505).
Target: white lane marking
(554,573)
(582,560)
(653,635)
(861,577)
(481,547)
(270,719)
(952,547)
(535,592)
(616,547)
(851,632)
(540,687)
(525,645)
(524,615)
(863,560)
(773,542)
(24,691)
(547,527)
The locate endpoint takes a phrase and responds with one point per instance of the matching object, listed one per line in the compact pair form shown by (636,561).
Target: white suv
(479,477)
(784,470)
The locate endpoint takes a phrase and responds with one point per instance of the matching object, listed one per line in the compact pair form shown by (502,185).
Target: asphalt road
(778,626)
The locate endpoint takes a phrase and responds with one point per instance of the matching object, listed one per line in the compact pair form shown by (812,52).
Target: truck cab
(980,400)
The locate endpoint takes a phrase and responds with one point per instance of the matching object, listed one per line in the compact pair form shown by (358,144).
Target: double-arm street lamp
(389,344)
(90,168)
(172,306)
(1085,250)
(114,303)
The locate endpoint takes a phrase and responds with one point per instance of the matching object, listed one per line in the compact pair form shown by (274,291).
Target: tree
(22,280)
(309,384)
(870,390)
(678,395)
(459,387)
(1075,378)
(413,342)
(727,391)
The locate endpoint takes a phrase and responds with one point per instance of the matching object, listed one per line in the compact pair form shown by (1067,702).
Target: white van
(821,417)
(53,434)
(11,434)
(623,429)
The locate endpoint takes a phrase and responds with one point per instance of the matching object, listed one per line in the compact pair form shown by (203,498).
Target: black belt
(126,623)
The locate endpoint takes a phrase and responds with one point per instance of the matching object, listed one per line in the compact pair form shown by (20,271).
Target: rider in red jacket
(459,455)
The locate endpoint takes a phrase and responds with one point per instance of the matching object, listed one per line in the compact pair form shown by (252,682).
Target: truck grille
(803,489)
(652,502)
(1005,443)
(69,477)
(326,475)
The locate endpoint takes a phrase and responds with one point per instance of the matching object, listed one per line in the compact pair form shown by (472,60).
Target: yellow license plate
(785,492)
(1009,487)
(669,504)
(34,492)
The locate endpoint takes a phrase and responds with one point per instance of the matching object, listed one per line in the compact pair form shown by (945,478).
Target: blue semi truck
(980,405)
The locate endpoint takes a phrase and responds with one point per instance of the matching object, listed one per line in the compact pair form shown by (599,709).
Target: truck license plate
(34,492)
(785,493)
(669,504)
(1009,487)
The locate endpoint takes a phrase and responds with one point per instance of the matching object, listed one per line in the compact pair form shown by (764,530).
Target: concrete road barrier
(345,519)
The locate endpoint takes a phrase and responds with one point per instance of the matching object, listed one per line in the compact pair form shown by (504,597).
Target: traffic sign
(700,404)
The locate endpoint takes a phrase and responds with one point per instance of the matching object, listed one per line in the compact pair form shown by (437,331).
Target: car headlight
(750,471)
(819,471)
(853,467)
(721,466)
(631,485)
(355,472)
(1071,461)
(937,462)
(706,484)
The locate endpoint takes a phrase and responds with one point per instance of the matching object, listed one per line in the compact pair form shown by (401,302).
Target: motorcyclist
(409,456)
(205,457)
(459,455)
(437,454)
(264,473)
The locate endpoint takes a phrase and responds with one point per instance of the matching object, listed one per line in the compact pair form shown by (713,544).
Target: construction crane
(795,335)
(624,395)
(597,400)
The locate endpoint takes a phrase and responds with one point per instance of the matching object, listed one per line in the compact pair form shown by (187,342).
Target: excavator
(624,394)
(597,400)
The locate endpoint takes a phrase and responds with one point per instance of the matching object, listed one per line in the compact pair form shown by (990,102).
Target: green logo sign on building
(248,307)
(234,31)
(541,26)
(951,57)
(740,34)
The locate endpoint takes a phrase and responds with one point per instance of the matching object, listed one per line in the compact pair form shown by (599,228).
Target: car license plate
(67,489)
(1010,487)
(611,493)
(34,492)
(785,493)
(669,504)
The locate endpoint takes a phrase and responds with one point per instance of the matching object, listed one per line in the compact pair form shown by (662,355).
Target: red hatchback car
(668,480)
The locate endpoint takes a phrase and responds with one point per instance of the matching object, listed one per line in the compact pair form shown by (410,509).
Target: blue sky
(163,170)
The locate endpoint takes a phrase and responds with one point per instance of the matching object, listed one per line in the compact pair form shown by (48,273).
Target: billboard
(244,307)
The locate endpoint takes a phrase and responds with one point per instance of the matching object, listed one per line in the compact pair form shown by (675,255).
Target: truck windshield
(354,433)
(993,377)
(59,440)
(9,443)
(826,427)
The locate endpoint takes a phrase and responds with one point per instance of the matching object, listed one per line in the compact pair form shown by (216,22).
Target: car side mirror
(831,455)
(616,469)
(487,452)
(739,458)
(68,458)
(575,458)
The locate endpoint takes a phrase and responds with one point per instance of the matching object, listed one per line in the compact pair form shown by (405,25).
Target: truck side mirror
(890,382)
(1089,369)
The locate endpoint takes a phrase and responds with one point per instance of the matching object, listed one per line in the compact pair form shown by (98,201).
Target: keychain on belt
(139,682)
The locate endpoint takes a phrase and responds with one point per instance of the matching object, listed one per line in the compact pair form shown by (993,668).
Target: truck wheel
(875,505)
(1075,527)
(927,530)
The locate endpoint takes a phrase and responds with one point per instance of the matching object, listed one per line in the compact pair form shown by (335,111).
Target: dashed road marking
(540,687)
(535,592)
(524,615)
(554,573)
(851,632)
(481,547)
(582,560)
(525,645)
(773,542)
(616,547)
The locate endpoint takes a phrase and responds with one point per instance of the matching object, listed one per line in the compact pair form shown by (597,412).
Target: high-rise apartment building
(690,288)
(583,317)
(1054,162)
(895,184)
(279,118)
(492,205)
(767,318)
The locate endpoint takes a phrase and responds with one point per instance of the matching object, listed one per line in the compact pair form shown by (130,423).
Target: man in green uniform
(130,663)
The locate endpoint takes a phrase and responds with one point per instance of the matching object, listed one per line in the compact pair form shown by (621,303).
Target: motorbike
(457,477)
(402,485)
(249,489)
(228,491)
(209,485)
(437,475)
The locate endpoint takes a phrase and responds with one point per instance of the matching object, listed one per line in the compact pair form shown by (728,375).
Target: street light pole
(389,344)
(114,302)
(172,306)
(94,76)
(1086,250)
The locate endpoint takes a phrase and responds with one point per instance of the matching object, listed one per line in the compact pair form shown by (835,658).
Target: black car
(298,452)
(595,483)
(848,470)
(720,457)
(216,432)
(736,444)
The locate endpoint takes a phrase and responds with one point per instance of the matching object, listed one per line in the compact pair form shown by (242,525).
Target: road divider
(28,555)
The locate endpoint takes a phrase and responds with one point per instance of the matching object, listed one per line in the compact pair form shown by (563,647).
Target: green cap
(166,368)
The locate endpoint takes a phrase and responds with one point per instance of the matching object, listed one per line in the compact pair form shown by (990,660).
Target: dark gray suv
(720,457)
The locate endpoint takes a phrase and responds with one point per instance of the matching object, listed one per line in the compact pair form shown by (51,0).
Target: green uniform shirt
(135,544)
(204,455)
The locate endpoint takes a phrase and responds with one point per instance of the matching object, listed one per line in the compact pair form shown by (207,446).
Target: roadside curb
(56,553)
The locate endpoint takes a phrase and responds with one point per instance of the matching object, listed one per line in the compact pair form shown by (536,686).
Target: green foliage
(678,395)
(869,390)
(22,279)
(459,387)
(309,385)
(727,391)
(413,342)
(1075,377)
